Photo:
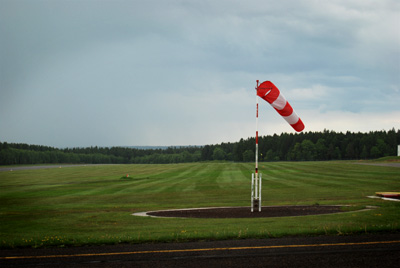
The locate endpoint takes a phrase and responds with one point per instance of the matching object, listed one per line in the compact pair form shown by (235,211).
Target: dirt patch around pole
(244,212)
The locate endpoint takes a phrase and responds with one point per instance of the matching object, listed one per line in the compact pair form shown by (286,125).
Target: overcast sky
(160,72)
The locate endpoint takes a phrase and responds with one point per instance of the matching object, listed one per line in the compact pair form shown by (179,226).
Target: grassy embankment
(93,204)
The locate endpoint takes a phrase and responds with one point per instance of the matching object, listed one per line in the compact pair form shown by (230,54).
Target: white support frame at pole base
(256,182)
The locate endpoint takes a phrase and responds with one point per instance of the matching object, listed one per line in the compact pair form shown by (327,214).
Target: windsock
(270,93)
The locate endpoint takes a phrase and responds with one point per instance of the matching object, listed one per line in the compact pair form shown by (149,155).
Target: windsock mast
(271,94)
(256,178)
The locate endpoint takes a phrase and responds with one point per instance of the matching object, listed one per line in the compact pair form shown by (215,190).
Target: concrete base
(256,204)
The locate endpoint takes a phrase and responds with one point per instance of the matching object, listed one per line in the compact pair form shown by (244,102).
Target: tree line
(305,146)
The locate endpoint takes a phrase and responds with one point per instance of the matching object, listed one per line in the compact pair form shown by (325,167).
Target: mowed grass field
(94,204)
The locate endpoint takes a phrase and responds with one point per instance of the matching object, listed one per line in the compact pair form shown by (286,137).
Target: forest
(305,146)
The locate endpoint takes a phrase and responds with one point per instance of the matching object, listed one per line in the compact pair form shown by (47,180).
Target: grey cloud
(151,65)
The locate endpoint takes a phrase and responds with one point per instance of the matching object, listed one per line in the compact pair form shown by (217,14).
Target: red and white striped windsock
(269,92)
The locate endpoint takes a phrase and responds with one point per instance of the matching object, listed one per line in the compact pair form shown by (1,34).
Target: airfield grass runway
(83,216)
(368,250)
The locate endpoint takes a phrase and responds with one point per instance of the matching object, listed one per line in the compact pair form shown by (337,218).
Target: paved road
(325,251)
(17,168)
(390,164)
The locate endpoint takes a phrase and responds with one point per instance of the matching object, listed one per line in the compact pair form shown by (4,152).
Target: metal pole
(257,136)
(256,179)
(259,195)
(252,191)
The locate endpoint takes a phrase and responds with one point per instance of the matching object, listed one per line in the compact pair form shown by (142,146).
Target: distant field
(94,204)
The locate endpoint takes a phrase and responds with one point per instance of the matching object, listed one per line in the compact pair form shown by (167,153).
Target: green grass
(93,204)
